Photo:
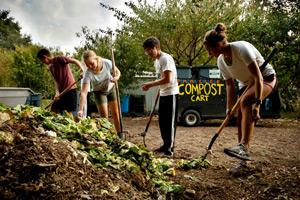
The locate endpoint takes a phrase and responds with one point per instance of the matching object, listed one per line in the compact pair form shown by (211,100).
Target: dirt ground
(273,173)
(36,166)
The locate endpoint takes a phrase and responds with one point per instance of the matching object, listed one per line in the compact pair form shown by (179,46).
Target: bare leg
(247,123)
(239,125)
(103,110)
(246,110)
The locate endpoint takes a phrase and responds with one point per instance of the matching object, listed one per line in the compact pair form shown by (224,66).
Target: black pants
(67,102)
(167,117)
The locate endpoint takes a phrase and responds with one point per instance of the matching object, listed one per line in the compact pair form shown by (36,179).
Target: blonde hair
(218,34)
(88,54)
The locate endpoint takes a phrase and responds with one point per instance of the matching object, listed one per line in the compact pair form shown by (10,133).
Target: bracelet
(257,101)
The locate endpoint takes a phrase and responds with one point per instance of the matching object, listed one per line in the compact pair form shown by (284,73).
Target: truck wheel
(191,118)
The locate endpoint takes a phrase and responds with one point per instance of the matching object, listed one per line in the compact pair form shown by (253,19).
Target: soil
(45,168)
(274,172)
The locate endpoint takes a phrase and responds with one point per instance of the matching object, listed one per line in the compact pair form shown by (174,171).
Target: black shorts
(67,102)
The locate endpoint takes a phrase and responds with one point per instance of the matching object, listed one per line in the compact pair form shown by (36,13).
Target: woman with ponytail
(240,61)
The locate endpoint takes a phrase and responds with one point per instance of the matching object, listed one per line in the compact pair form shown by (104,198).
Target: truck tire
(191,118)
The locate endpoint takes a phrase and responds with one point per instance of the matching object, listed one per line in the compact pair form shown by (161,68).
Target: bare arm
(77,63)
(258,79)
(167,77)
(116,74)
(82,101)
(258,86)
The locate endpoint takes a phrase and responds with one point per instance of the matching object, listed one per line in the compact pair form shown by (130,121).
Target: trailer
(202,96)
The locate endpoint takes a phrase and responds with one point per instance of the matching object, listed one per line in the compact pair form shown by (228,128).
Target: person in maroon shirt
(63,76)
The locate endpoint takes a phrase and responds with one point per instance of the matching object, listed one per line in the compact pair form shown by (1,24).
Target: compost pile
(45,156)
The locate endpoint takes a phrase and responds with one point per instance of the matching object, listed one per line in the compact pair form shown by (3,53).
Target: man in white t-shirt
(167,111)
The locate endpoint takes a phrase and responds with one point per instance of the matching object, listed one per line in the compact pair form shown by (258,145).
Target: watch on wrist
(257,101)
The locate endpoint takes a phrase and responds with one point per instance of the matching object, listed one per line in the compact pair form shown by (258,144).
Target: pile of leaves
(37,144)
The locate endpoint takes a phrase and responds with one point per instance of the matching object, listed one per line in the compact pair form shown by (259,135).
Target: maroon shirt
(61,72)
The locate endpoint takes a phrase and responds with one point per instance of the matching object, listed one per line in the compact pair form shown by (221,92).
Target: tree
(10,32)
(181,26)
(28,71)
(6,58)
(270,24)
(175,23)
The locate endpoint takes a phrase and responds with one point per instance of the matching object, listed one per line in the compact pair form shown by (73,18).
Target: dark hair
(43,52)
(151,42)
(215,35)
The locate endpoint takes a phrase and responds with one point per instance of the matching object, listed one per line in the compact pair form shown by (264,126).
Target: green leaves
(95,138)
(196,163)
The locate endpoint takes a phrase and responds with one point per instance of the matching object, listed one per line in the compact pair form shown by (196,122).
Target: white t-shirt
(101,81)
(166,63)
(243,54)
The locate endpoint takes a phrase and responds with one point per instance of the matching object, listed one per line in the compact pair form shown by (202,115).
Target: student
(98,73)
(167,111)
(240,60)
(62,74)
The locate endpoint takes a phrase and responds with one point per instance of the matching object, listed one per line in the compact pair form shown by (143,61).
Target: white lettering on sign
(214,73)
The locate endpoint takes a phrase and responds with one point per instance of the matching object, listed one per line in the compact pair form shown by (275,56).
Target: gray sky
(55,22)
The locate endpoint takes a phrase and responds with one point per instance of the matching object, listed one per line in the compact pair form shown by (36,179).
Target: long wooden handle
(62,93)
(117,89)
(113,62)
(225,122)
(234,108)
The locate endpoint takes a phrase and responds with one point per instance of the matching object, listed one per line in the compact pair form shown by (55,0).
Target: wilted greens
(96,139)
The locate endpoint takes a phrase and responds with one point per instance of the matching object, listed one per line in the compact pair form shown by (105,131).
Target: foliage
(180,33)
(181,25)
(285,16)
(10,32)
(28,71)
(19,65)
(259,25)
(96,139)
(22,68)
(195,163)
(6,58)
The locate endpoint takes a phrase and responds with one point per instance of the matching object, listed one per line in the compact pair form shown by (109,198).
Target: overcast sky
(55,22)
